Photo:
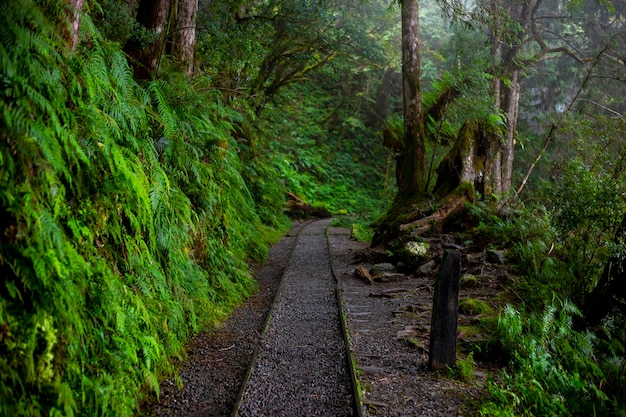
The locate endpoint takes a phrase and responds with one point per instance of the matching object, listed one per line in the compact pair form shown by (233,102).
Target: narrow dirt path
(389,327)
(302,367)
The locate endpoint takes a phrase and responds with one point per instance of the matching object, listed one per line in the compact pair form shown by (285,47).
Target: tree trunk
(184,34)
(496,50)
(146,57)
(472,159)
(452,206)
(76,6)
(510,107)
(411,164)
(389,85)
(466,169)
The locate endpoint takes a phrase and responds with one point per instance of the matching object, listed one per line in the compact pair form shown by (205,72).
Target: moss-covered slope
(125,224)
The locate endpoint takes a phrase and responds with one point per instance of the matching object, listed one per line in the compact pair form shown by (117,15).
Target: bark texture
(411,163)
(76,6)
(146,55)
(510,107)
(473,159)
(184,34)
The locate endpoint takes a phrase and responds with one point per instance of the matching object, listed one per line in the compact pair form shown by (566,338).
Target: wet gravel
(302,367)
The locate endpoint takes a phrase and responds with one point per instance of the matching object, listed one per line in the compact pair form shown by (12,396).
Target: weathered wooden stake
(445,314)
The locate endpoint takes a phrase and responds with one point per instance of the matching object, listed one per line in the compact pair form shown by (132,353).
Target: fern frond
(167,118)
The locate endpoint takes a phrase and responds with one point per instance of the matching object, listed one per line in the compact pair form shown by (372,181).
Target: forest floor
(389,326)
(388,323)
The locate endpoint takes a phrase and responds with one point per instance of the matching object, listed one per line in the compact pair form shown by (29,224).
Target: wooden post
(445,314)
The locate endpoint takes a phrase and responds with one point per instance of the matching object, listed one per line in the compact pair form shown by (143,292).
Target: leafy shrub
(552,369)
(588,208)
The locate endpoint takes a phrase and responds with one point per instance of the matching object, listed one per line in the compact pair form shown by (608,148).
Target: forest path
(217,359)
(388,323)
(302,368)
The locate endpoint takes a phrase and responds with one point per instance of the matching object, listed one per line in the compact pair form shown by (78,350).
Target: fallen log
(453,206)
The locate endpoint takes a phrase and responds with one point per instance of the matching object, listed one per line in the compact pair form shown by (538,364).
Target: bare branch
(608,109)
(554,127)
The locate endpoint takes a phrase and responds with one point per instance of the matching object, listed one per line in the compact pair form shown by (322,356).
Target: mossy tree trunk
(475,163)
(473,159)
(411,163)
(471,166)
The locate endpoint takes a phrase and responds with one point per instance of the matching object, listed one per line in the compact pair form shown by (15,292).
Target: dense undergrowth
(558,251)
(330,157)
(127,222)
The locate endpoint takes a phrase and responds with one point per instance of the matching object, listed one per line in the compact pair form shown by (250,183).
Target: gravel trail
(302,367)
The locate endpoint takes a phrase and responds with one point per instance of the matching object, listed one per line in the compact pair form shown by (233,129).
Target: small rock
(469,281)
(472,307)
(426,268)
(417,249)
(474,258)
(382,268)
(496,256)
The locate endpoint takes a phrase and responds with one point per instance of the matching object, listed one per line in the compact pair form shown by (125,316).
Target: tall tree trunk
(146,57)
(496,51)
(132,6)
(523,14)
(184,34)
(411,164)
(76,6)
(510,107)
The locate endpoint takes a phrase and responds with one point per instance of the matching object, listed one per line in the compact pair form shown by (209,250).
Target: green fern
(118,245)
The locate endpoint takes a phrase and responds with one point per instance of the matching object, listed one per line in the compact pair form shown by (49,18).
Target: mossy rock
(469,281)
(473,307)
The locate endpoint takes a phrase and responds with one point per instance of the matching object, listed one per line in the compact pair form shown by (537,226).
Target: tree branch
(555,126)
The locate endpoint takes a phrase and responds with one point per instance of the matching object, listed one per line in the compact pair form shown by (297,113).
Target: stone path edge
(357,396)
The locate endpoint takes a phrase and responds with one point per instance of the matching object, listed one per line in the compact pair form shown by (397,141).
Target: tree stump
(445,313)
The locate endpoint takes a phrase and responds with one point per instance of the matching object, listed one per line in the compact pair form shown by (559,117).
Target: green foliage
(464,369)
(473,306)
(126,223)
(532,244)
(115,22)
(588,209)
(612,346)
(552,369)
(342,169)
